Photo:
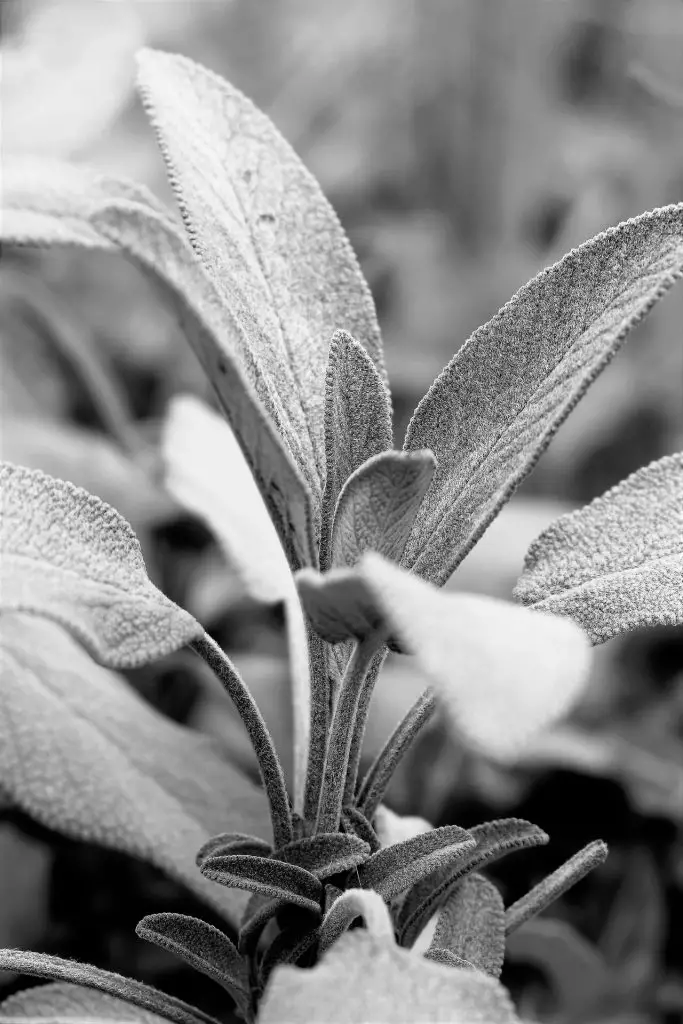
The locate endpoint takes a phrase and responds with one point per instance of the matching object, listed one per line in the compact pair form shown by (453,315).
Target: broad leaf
(367,980)
(50,204)
(471,925)
(65,1003)
(494,409)
(40,965)
(84,755)
(502,672)
(268,239)
(70,557)
(266,877)
(394,869)
(617,564)
(357,422)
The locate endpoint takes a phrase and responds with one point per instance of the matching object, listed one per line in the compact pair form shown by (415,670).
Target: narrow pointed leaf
(45,208)
(267,877)
(394,869)
(232,842)
(82,754)
(70,557)
(355,823)
(357,422)
(40,965)
(471,925)
(617,564)
(326,854)
(64,1003)
(493,410)
(342,989)
(351,905)
(547,891)
(378,504)
(266,236)
(444,956)
(203,947)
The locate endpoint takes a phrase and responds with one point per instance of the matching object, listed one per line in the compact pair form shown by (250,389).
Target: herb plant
(339,910)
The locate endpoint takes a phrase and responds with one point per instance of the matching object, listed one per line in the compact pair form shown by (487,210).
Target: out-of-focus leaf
(395,828)
(471,925)
(617,564)
(366,980)
(144,997)
(25,873)
(500,674)
(267,237)
(347,908)
(68,556)
(84,755)
(357,422)
(65,1003)
(493,410)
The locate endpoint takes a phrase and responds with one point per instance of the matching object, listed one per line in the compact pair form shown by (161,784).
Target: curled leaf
(394,869)
(617,564)
(267,877)
(471,925)
(326,854)
(351,905)
(65,1003)
(232,842)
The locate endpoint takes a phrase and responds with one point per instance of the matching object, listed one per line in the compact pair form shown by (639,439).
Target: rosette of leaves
(359,539)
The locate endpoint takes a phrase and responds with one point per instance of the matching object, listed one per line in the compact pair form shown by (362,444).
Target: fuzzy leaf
(444,956)
(326,854)
(378,504)
(493,410)
(232,842)
(70,557)
(617,564)
(203,947)
(259,911)
(354,822)
(64,1003)
(400,986)
(47,205)
(501,675)
(81,753)
(395,828)
(494,840)
(351,905)
(40,965)
(267,237)
(357,422)
(267,877)
(471,925)
(394,868)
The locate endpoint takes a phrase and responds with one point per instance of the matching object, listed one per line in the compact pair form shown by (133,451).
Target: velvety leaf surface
(494,409)
(267,237)
(325,854)
(397,986)
(267,878)
(232,842)
(471,925)
(64,1003)
(378,504)
(394,868)
(617,564)
(84,755)
(45,206)
(67,555)
(358,422)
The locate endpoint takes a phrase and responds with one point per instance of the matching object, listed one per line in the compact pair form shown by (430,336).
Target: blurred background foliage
(466,144)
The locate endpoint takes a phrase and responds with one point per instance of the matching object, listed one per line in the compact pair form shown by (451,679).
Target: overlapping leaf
(471,925)
(494,409)
(617,564)
(65,1003)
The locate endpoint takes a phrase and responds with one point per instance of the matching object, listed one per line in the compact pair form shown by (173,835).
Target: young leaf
(493,410)
(617,564)
(394,869)
(354,822)
(232,842)
(326,854)
(378,504)
(268,239)
(115,216)
(394,828)
(471,925)
(342,989)
(444,956)
(81,753)
(203,947)
(40,965)
(64,1003)
(351,905)
(357,422)
(267,877)
(70,557)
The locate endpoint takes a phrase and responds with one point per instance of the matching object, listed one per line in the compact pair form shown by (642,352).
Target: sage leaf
(401,987)
(70,557)
(82,754)
(259,911)
(203,947)
(394,869)
(232,842)
(40,965)
(354,822)
(358,422)
(288,946)
(378,504)
(444,956)
(326,854)
(64,1003)
(267,877)
(268,239)
(45,207)
(616,564)
(493,410)
(347,908)
(395,828)
(471,925)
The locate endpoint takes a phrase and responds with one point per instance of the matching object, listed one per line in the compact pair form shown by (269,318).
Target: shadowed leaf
(288,946)
(395,868)
(259,911)
(493,410)
(70,557)
(326,854)
(471,925)
(617,564)
(351,905)
(63,1003)
(266,877)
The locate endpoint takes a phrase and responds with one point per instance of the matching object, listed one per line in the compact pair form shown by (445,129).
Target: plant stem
(357,727)
(319,654)
(269,764)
